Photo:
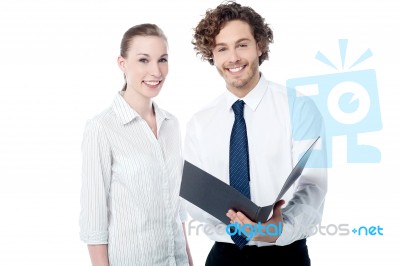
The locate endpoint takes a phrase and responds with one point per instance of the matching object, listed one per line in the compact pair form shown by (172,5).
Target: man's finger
(277,208)
(243,218)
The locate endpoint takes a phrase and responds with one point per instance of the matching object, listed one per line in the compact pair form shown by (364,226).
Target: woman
(130,207)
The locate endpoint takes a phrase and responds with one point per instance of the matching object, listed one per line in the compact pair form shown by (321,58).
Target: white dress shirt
(130,187)
(280,127)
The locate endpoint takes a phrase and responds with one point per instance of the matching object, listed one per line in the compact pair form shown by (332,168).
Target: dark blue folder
(216,197)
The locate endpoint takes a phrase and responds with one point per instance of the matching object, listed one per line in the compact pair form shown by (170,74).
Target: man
(271,125)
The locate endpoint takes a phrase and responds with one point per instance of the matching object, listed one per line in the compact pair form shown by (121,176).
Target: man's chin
(238,84)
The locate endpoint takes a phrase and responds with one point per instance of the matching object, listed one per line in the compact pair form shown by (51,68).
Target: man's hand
(241,219)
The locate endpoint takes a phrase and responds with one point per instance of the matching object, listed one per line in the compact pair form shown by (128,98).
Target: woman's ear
(121,63)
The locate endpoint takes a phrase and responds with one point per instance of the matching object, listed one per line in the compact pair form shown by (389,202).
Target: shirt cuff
(95,238)
(286,236)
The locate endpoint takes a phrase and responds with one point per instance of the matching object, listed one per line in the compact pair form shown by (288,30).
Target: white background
(58,68)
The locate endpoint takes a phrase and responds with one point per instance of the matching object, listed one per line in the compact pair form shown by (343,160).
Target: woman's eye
(143,60)
(163,60)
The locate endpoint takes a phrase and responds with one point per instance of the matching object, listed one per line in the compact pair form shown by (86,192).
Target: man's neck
(244,90)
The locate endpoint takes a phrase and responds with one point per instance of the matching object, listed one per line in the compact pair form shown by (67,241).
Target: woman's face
(146,65)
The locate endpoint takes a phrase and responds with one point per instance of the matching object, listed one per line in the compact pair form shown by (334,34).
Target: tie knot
(238,108)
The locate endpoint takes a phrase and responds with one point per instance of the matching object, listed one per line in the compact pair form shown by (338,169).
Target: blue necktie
(239,171)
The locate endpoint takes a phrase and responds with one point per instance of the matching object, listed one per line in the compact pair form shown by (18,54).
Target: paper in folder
(216,197)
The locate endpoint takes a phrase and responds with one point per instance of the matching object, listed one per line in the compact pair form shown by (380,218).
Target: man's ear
(259,50)
(121,63)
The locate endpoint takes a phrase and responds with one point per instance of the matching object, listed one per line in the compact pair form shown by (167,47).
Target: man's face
(236,57)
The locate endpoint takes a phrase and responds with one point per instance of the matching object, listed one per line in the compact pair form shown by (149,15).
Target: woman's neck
(142,105)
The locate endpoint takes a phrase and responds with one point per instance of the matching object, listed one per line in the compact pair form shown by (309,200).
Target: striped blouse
(130,187)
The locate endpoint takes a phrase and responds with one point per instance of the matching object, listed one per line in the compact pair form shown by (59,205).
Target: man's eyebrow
(238,41)
(220,44)
(243,39)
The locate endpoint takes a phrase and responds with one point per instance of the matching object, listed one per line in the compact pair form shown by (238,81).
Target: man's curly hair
(215,19)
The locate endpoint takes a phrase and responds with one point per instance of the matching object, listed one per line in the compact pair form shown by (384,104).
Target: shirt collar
(253,98)
(126,114)
(161,115)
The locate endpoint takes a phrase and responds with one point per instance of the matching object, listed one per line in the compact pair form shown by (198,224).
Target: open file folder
(216,197)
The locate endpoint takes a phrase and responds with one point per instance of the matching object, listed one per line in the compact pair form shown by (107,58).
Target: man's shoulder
(291,95)
(210,108)
(278,89)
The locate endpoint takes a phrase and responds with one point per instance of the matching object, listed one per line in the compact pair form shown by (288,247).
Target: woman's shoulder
(100,119)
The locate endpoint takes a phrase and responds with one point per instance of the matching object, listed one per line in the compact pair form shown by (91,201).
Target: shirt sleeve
(191,154)
(183,215)
(96,177)
(304,211)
